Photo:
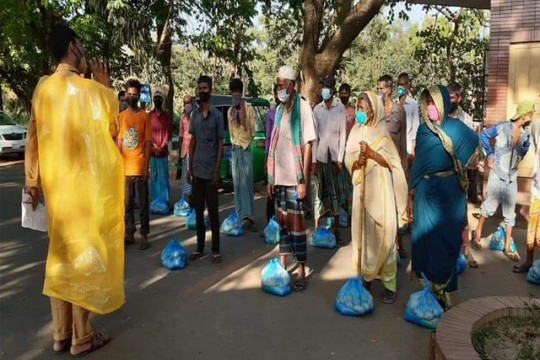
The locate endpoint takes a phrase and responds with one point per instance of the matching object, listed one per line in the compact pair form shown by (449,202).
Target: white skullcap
(286,73)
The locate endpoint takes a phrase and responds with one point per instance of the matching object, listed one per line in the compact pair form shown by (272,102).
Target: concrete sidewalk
(210,311)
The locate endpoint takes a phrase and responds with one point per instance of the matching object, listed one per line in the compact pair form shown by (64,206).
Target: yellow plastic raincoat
(81,173)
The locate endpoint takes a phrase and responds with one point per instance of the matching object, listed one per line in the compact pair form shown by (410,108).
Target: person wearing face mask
(159,163)
(135,144)
(328,152)
(71,156)
(457,112)
(437,186)
(411,110)
(289,161)
(241,119)
(345,96)
(396,124)
(185,138)
(379,195)
(511,145)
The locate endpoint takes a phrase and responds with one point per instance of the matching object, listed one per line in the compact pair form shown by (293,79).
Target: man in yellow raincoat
(71,155)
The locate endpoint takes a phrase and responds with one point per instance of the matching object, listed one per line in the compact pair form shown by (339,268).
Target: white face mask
(282,95)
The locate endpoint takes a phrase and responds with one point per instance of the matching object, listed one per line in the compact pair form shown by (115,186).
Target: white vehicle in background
(12,136)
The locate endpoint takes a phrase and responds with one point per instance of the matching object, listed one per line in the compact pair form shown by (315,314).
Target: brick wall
(511,21)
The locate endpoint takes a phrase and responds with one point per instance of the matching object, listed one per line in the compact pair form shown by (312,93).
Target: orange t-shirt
(135,130)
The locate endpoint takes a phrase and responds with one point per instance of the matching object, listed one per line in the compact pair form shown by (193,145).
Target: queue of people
(390,164)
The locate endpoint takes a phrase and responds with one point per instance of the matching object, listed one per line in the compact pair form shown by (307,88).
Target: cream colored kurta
(379,200)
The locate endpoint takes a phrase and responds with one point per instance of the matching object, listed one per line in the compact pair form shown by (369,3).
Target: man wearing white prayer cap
(289,160)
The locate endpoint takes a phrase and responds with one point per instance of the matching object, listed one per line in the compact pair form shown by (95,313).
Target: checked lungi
(291,217)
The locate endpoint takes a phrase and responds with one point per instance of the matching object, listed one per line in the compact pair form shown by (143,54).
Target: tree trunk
(164,54)
(23,95)
(317,62)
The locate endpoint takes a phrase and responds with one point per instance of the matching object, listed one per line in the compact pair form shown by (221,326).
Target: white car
(12,136)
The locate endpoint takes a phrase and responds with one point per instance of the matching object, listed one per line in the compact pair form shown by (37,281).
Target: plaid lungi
(326,195)
(291,217)
(345,190)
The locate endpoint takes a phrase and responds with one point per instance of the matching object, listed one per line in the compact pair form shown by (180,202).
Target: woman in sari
(444,147)
(379,195)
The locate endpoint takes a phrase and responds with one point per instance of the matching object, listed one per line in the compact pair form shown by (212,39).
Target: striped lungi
(326,196)
(291,217)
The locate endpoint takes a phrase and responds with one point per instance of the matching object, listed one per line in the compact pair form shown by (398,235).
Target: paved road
(219,312)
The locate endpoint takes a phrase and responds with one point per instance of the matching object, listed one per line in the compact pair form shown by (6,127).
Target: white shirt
(331,127)
(413,121)
(285,174)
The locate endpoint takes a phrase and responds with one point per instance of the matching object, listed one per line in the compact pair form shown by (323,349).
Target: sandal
(389,297)
(514,256)
(299,285)
(65,348)
(521,269)
(402,253)
(98,341)
(471,262)
(475,245)
(144,245)
(216,259)
(195,256)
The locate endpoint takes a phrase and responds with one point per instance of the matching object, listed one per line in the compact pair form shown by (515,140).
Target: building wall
(512,22)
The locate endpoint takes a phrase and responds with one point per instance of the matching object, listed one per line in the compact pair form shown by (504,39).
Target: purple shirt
(270,118)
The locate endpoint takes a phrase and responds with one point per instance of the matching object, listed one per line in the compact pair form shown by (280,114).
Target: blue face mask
(400,91)
(326,94)
(361,117)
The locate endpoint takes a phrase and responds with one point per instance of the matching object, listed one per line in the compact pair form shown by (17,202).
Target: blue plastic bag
(461,264)
(275,279)
(353,299)
(323,238)
(232,225)
(174,256)
(533,276)
(423,308)
(159,207)
(498,238)
(271,232)
(191,221)
(343,218)
(327,222)
(181,208)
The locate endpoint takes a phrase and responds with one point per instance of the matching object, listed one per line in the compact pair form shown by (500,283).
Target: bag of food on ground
(181,208)
(353,299)
(533,276)
(323,238)
(343,218)
(232,225)
(423,308)
(461,264)
(174,256)
(159,207)
(498,239)
(271,232)
(191,220)
(275,279)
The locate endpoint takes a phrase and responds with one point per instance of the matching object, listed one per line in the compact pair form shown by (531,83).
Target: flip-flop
(216,259)
(521,269)
(98,341)
(389,297)
(144,246)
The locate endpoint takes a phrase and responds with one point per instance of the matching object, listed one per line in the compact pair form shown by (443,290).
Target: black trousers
(206,193)
(270,208)
(136,189)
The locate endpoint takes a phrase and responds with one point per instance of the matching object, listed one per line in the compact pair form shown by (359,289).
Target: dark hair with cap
(387,79)
(236,85)
(205,79)
(133,83)
(454,88)
(61,37)
(345,87)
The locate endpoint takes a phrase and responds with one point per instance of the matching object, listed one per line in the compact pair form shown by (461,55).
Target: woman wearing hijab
(444,147)
(379,195)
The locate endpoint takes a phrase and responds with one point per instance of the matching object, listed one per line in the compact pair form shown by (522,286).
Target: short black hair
(121,93)
(405,76)
(205,79)
(236,85)
(387,79)
(134,83)
(454,88)
(345,87)
(61,37)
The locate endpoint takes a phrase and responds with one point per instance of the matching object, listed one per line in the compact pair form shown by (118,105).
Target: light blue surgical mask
(361,117)
(401,91)
(326,94)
